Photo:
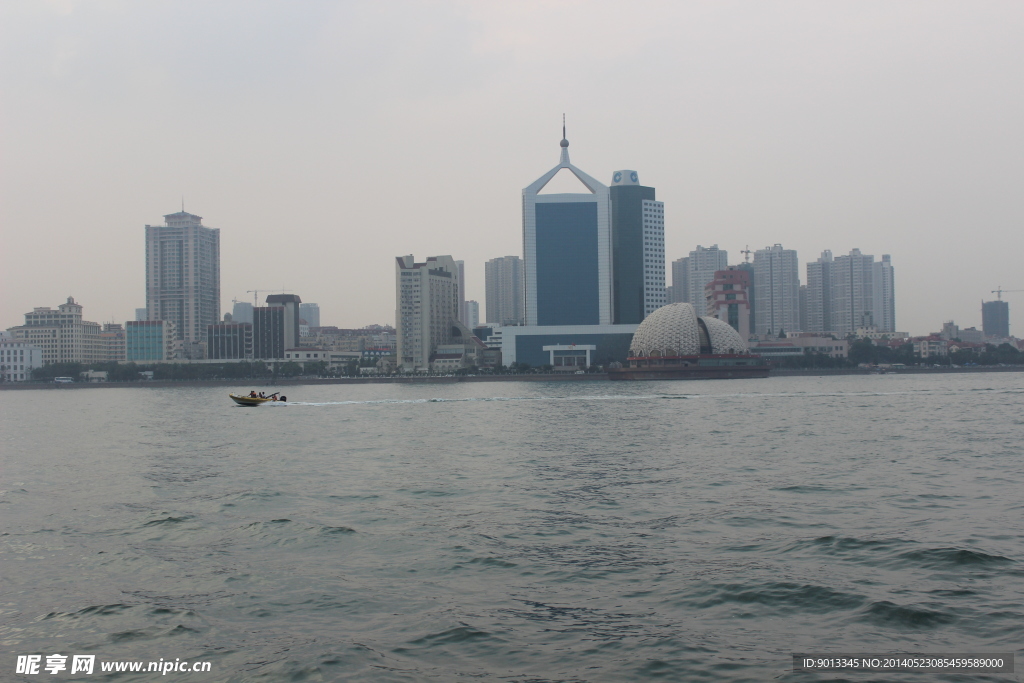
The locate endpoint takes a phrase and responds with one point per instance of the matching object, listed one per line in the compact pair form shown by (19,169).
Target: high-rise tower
(183,274)
(426,308)
(638,249)
(503,284)
(567,250)
(819,294)
(885,295)
(853,296)
(995,318)
(776,290)
(701,266)
(681,281)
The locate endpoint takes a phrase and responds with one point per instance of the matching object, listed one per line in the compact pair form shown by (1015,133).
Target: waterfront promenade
(455,379)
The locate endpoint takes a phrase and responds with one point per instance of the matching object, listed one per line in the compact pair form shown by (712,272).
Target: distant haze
(326,138)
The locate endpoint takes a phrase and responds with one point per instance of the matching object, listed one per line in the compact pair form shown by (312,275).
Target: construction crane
(256,294)
(999,292)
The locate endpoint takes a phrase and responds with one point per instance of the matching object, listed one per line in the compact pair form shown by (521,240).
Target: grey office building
(229,341)
(310,313)
(275,327)
(242,312)
(995,318)
(268,332)
(680,281)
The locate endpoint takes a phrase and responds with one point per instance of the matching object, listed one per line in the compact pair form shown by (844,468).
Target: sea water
(529,531)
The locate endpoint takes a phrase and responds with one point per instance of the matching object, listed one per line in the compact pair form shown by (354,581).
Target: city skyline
(800,137)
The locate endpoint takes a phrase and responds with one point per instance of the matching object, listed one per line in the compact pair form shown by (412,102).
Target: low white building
(875,333)
(307,354)
(18,359)
(926,348)
(799,346)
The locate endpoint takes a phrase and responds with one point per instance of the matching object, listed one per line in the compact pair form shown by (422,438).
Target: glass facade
(145,340)
(995,318)
(268,332)
(567,264)
(628,252)
(229,341)
(610,347)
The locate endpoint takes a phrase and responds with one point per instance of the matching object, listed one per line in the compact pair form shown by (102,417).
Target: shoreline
(589,377)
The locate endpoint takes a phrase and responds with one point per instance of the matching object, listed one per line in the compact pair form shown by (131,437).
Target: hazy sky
(326,138)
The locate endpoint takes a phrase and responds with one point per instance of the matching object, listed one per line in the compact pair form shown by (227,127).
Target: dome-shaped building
(676,330)
(674,342)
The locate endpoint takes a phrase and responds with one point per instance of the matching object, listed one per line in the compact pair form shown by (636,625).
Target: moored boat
(710,366)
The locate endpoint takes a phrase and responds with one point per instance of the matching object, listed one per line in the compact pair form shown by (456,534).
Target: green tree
(48,372)
(290,369)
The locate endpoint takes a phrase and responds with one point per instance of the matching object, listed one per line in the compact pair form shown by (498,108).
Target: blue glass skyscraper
(567,251)
(638,249)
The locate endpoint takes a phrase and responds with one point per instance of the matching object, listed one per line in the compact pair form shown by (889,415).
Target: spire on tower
(564,145)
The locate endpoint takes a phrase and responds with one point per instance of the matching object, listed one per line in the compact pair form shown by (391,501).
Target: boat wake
(617,397)
(482,399)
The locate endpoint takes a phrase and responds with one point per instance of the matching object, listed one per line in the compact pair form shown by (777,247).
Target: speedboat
(252,400)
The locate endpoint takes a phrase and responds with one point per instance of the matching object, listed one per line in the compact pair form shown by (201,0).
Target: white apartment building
(503,289)
(852,292)
(819,294)
(654,255)
(472,314)
(61,334)
(183,275)
(460,265)
(426,308)
(849,293)
(18,359)
(112,343)
(776,290)
(884,294)
(701,266)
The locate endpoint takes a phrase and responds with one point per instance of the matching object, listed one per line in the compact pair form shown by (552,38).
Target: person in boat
(261,395)
(252,394)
